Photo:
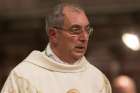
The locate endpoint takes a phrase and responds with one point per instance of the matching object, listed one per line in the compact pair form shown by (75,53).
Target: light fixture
(131,40)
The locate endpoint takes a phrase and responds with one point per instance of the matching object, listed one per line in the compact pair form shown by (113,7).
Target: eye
(75,29)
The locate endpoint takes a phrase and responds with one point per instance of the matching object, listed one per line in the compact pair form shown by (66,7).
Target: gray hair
(56,17)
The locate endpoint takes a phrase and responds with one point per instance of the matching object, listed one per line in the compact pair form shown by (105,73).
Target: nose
(84,36)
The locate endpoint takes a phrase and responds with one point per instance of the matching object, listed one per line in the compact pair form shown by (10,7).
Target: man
(62,67)
(124,84)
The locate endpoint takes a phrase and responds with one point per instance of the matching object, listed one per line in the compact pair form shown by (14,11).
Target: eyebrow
(76,25)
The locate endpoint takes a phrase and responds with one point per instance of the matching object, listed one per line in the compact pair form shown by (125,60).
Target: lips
(80,48)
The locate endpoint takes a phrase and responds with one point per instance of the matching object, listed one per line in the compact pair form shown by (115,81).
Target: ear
(52,33)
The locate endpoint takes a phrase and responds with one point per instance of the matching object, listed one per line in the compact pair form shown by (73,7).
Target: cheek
(72,44)
(72,41)
(68,42)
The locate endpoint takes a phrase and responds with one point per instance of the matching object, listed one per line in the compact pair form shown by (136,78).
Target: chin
(78,56)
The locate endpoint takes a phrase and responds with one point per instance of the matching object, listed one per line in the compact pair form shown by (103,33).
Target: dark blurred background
(22,30)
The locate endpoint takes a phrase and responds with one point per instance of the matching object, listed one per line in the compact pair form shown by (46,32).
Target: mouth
(80,48)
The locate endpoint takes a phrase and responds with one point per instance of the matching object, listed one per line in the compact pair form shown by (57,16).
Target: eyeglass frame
(76,31)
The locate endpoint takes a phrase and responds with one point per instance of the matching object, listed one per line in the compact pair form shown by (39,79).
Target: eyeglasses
(77,29)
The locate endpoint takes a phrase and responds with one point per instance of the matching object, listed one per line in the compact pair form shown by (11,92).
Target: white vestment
(38,74)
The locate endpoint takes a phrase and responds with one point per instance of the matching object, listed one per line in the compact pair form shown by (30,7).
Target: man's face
(72,46)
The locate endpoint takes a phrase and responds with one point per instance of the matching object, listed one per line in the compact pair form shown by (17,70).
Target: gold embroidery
(73,91)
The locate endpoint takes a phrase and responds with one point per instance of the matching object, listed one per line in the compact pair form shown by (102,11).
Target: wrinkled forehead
(74,16)
(69,10)
(72,9)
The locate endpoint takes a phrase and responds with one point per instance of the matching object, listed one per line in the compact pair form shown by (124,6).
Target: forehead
(74,16)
